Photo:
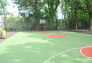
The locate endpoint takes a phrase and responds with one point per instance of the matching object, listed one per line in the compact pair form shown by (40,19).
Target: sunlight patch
(17,60)
(28,47)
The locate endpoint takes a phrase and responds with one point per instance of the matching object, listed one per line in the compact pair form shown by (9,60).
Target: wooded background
(77,14)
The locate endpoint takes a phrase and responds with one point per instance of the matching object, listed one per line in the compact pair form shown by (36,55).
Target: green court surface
(35,47)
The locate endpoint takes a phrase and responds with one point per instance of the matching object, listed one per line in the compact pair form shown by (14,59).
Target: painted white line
(59,54)
(62,53)
(83,54)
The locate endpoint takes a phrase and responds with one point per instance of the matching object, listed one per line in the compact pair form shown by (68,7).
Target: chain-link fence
(30,28)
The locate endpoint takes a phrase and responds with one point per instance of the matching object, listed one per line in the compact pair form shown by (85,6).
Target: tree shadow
(26,53)
(35,48)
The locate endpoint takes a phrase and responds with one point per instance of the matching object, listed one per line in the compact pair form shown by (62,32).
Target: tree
(50,10)
(77,13)
(0,1)
(88,5)
(39,9)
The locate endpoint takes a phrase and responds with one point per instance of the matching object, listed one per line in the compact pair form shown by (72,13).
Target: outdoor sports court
(47,47)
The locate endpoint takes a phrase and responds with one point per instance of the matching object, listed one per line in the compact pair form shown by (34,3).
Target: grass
(35,47)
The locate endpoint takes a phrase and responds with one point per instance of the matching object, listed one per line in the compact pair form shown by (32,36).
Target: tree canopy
(77,13)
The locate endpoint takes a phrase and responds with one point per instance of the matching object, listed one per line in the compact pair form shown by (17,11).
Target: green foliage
(0,1)
(77,13)
(45,9)
(12,20)
(14,24)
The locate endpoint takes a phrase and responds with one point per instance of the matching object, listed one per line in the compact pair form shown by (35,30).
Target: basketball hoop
(42,21)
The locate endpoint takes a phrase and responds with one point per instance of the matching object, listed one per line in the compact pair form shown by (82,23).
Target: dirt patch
(9,34)
(83,31)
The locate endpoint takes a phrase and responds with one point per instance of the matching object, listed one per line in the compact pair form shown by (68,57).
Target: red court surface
(58,36)
(87,52)
(46,32)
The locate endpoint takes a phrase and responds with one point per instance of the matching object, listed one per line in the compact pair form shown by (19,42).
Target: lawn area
(35,47)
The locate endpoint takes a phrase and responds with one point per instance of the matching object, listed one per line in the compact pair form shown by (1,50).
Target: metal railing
(30,28)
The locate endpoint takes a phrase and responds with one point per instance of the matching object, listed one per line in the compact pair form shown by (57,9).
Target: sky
(60,15)
(12,8)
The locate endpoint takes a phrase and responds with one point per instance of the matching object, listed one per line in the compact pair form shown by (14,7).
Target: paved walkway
(9,34)
(83,31)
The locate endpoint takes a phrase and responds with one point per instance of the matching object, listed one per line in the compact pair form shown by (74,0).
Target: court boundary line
(62,53)
(59,54)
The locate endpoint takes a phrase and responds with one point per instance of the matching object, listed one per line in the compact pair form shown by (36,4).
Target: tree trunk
(91,24)
(37,13)
(76,19)
(90,19)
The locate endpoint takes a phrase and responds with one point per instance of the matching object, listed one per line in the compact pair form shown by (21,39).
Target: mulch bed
(9,34)
(83,31)
(88,32)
